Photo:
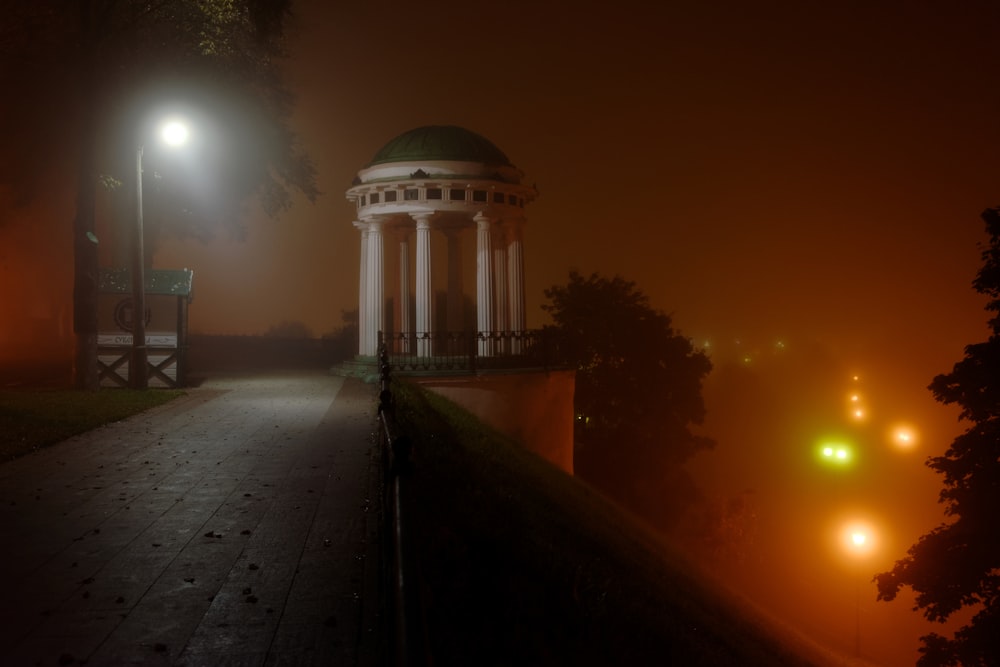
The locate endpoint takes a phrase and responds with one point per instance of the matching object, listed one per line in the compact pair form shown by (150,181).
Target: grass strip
(30,420)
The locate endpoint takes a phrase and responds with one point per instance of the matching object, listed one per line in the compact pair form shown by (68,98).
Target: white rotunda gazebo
(447,181)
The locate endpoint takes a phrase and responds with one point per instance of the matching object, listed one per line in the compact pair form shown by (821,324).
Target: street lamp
(860,541)
(173,132)
(835,452)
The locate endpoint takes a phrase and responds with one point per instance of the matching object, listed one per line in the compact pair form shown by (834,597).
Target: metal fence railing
(469,351)
(406,612)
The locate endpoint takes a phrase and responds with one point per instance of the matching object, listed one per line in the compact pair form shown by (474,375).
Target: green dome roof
(440,142)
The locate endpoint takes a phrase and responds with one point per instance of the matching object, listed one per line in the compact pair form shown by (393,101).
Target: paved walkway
(236,525)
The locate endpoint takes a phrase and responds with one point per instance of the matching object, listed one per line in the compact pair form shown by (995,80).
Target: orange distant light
(903,436)
(858,537)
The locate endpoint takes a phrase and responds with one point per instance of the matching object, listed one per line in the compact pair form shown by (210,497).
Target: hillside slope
(525,565)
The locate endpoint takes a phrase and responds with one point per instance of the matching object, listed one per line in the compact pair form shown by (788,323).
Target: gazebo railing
(469,351)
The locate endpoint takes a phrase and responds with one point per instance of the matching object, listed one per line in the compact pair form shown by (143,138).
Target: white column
(456,319)
(363,290)
(423,284)
(515,275)
(500,304)
(484,282)
(375,285)
(403,300)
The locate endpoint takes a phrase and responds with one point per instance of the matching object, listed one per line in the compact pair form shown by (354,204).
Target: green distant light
(835,453)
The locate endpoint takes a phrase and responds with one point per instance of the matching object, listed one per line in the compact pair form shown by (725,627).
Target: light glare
(174,133)
(838,454)
(903,436)
(858,537)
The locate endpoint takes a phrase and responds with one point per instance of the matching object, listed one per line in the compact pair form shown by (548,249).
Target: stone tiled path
(236,525)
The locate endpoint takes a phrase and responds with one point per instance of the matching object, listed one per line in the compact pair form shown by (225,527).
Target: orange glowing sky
(798,171)
(760,173)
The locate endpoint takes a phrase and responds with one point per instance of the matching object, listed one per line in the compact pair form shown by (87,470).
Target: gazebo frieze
(441,195)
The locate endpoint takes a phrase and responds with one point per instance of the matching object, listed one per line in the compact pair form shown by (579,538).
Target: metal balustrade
(406,614)
(469,351)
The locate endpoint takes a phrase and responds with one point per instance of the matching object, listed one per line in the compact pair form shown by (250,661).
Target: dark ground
(235,525)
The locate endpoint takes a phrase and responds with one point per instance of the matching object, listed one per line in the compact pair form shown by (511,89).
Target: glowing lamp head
(835,453)
(903,436)
(859,538)
(174,133)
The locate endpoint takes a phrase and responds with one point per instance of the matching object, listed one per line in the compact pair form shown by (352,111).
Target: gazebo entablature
(439,186)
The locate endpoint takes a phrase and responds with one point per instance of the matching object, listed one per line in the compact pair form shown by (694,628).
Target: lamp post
(859,538)
(173,133)
(138,378)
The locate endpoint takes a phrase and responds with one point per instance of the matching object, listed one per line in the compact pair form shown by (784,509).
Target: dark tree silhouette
(342,342)
(289,330)
(81,79)
(638,391)
(957,564)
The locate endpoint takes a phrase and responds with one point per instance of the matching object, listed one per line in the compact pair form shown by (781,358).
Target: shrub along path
(233,525)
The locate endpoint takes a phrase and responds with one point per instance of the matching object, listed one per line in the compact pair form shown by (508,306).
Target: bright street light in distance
(856,533)
(858,537)
(856,408)
(174,132)
(834,452)
(903,436)
(859,541)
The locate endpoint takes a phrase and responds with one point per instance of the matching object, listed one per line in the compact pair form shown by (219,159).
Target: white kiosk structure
(423,196)
(442,180)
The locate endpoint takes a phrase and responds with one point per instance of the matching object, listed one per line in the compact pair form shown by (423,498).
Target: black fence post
(409,644)
(473,351)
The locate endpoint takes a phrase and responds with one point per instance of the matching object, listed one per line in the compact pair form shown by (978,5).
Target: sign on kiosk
(152,340)
(168,293)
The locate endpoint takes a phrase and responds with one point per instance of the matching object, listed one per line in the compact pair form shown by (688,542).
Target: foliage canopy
(83,81)
(957,564)
(638,391)
(87,79)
